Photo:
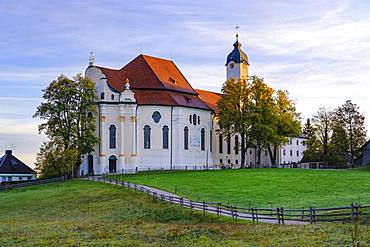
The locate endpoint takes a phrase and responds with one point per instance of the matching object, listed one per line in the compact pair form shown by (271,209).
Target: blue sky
(318,50)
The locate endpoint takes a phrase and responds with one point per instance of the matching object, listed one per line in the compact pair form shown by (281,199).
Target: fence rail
(352,213)
(35,182)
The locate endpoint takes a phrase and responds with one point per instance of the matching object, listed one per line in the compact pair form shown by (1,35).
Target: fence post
(252,214)
(282,215)
(352,214)
(155,196)
(302,214)
(311,215)
(204,207)
(278,215)
(218,209)
(191,205)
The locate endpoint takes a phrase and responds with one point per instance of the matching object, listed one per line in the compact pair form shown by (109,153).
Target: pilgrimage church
(149,116)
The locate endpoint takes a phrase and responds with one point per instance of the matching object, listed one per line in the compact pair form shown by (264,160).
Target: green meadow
(85,213)
(289,188)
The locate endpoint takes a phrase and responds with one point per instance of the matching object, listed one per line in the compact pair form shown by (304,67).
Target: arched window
(112,96)
(220,143)
(194,119)
(202,139)
(198,120)
(228,145)
(147,137)
(165,136)
(112,136)
(210,140)
(102,95)
(236,144)
(186,138)
(190,118)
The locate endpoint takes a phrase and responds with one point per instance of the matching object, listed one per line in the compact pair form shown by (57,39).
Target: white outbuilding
(12,169)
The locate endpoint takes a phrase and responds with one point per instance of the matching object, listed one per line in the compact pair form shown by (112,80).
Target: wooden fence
(34,182)
(352,213)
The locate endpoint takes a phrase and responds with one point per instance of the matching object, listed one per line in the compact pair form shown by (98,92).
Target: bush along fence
(353,213)
(31,183)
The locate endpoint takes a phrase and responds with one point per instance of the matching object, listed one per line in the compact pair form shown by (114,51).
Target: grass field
(289,188)
(90,213)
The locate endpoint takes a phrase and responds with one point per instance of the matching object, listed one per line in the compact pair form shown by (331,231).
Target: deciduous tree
(69,111)
(322,122)
(287,123)
(234,117)
(313,147)
(351,123)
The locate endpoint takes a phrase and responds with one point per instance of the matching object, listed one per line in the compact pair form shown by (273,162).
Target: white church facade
(149,116)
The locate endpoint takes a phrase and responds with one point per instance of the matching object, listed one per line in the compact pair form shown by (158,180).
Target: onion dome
(237,55)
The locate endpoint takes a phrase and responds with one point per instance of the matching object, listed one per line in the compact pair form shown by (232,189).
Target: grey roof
(237,55)
(11,165)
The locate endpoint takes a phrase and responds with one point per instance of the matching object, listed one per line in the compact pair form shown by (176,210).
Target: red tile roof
(146,72)
(210,98)
(155,81)
(169,98)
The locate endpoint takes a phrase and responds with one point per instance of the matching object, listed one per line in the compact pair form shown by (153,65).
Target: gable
(11,165)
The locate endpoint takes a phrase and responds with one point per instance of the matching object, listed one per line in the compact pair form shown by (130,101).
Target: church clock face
(231,65)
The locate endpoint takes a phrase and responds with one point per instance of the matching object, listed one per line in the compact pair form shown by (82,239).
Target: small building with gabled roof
(12,169)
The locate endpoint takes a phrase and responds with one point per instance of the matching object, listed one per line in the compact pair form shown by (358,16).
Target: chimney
(8,152)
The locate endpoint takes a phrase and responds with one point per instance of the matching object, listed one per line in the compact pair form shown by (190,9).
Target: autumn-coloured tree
(234,117)
(287,123)
(262,117)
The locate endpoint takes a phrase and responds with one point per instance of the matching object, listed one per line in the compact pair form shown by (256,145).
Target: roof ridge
(161,58)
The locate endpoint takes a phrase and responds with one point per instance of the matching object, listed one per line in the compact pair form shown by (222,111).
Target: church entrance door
(112,164)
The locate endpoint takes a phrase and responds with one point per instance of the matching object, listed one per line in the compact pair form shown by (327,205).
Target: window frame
(186,138)
(165,142)
(146,135)
(202,139)
(112,136)
(220,144)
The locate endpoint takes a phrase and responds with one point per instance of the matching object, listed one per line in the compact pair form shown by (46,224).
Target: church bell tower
(237,63)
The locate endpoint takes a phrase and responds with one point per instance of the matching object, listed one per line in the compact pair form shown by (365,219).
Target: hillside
(288,188)
(90,213)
